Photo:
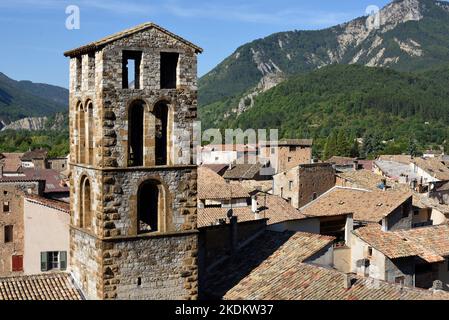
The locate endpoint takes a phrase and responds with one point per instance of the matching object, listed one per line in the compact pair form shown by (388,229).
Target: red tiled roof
(55,204)
(49,286)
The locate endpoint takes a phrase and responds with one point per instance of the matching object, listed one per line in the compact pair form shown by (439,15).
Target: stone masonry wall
(108,260)
(14,217)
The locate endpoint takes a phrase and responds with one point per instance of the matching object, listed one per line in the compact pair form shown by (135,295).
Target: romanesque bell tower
(133,101)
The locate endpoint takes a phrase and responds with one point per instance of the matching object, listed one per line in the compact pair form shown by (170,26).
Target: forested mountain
(406,35)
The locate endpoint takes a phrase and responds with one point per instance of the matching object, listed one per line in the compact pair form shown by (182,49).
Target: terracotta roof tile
(282,277)
(367,206)
(297,246)
(212,186)
(271,207)
(394,245)
(97,45)
(49,286)
(55,204)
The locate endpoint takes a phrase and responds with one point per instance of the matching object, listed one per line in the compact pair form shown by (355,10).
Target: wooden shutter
(63,260)
(17,263)
(44,261)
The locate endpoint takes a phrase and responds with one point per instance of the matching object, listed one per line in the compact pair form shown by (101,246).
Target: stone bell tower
(133,101)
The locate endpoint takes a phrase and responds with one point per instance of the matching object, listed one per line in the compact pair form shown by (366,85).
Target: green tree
(330,148)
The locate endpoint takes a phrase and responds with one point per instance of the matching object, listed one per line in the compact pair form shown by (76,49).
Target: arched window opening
(85,218)
(90,133)
(160,112)
(150,204)
(81,134)
(135,131)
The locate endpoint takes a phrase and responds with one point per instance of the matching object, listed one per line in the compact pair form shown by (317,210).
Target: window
(169,66)
(160,112)
(289,159)
(290,185)
(79,72)
(53,260)
(273,150)
(9,234)
(370,252)
(6,206)
(150,203)
(131,61)
(291,149)
(404,212)
(135,131)
(85,204)
(91,65)
(17,263)
(81,133)
(400,280)
(90,134)
(5,192)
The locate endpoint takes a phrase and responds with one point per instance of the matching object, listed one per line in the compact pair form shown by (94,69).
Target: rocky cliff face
(57,122)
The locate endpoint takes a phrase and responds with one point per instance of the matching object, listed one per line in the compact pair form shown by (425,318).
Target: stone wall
(112,260)
(10,194)
(301,184)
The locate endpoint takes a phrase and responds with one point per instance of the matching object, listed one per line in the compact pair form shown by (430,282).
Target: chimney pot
(347,281)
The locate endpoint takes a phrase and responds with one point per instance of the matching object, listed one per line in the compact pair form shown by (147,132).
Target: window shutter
(44,261)
(17,263)
(63,260)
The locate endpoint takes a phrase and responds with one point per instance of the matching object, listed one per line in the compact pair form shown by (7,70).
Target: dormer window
(131,69)
(169,67)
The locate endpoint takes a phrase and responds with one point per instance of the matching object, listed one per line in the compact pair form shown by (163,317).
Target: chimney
(254,208)
(347,281)
(437,286)
(355,165)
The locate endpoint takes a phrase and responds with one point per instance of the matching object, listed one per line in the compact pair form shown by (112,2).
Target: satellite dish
(230,213)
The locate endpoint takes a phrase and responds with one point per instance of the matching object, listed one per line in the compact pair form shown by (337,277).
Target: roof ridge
(95,45)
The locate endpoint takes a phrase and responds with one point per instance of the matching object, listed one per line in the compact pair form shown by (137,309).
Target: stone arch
(80,124)
(152,208)
(85,203)
(136,132)
(89,131)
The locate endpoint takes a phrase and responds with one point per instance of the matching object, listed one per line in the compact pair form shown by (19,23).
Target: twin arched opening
(148,134)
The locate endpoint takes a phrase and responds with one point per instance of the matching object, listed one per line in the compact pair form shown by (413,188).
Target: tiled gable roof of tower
(50,286)
(97,45)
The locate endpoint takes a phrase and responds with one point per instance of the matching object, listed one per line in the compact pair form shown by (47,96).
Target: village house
(427,210)
(215,192)
(50,286)
(297,266)
(286,154)
(225,153)
(415,257)
(393,209)
(343,164)
(46,235)
(34,230)
(304,183)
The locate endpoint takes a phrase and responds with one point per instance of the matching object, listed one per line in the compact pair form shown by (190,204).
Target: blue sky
(33,33)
